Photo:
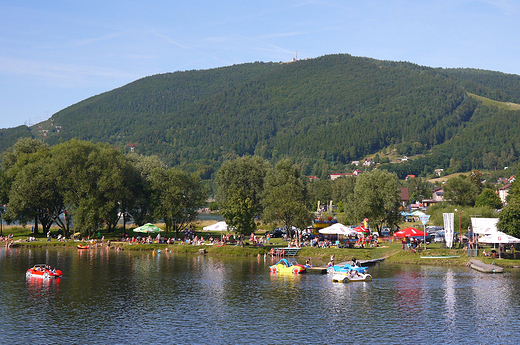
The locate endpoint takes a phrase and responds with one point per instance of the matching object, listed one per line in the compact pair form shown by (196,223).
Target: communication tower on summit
(132,147)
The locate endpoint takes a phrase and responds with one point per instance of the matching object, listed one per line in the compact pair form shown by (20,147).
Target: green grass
(390,251)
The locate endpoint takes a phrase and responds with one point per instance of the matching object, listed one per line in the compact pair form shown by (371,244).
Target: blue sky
(56,53)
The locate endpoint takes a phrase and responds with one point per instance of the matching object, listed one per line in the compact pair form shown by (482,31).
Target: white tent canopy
(220,226)
(484,226)
(338,229)
(499,237)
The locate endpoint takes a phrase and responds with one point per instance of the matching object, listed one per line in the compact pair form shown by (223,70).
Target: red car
(43,271)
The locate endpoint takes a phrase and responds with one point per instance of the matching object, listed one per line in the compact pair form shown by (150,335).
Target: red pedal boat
(43,271)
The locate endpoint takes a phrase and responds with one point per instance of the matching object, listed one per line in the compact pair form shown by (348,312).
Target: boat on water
(346,269)
(351,277)
(82,246)
(43,271)
(284,266)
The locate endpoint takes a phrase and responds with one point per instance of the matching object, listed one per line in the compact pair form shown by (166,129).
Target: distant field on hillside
(503,105)
(447,177)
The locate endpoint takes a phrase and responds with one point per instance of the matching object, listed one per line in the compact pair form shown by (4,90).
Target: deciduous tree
(177,195)
(376,197)
(285,197)
(489,198)
(240,184)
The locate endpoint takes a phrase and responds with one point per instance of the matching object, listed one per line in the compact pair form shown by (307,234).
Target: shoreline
(391,252)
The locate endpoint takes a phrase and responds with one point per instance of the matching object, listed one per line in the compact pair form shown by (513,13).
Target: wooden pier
(485,268)
(316,270)
(363,263)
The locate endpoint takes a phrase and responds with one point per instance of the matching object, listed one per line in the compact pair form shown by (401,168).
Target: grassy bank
(390,251)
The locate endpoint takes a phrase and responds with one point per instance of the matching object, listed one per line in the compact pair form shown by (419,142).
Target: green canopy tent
(148,228)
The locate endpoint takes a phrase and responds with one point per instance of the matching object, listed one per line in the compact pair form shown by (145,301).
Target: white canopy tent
(338,229)
(220,226)
(498,237)
(484,226)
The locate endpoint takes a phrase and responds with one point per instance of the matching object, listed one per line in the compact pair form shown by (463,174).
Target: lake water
(108,297)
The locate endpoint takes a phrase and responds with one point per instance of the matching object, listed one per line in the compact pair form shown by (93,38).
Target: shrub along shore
(390,250)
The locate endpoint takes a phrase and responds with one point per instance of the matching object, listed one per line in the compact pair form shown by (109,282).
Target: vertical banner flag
(449,224)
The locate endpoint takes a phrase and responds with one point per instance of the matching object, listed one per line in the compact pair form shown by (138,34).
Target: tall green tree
(343,189)
(34,191)
(476,179)
(177,196)
(286,197)
(377,197)
(418,189)
(240,185)
(510,218)
(141,207)
(14,160)
(460,191)
(321,190)
(489,198)
(93,182)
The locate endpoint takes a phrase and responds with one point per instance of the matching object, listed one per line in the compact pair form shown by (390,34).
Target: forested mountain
(323,112)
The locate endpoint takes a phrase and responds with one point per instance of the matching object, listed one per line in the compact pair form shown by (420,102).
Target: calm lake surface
(108,297)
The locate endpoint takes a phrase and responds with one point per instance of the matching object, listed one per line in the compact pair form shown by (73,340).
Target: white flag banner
(449,224)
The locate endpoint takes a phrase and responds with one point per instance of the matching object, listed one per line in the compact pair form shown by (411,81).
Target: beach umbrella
(410,232)
(148,228)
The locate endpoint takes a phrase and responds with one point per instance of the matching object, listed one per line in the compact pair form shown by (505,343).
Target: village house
(335,176)
(405,196)
(356,163)
(503,192)
(368,162)
(438,172)
(503,180)
(437,196)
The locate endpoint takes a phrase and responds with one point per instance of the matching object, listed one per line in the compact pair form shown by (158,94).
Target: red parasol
(360,229)
(410,232)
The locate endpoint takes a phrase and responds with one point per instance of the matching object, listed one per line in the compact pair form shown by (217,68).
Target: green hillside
(323,112)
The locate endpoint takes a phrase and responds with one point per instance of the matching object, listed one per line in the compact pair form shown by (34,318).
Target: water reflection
(41,291)
(123,297)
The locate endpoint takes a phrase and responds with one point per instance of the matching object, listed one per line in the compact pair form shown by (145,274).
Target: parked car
(440,236)
(385,231)
(281,231)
